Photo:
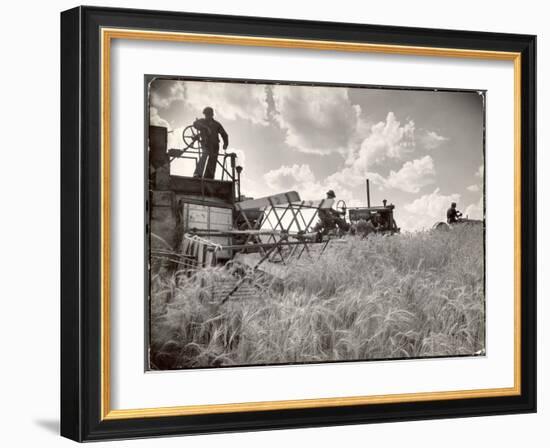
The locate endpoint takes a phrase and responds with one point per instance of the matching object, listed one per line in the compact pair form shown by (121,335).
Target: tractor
(373,219)
(443,226)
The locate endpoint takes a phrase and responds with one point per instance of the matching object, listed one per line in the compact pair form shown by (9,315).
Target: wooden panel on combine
(163,221)
(159,162)
(204,188)
(198,217)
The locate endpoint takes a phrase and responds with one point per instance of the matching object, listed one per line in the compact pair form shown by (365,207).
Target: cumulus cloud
(428,209)
(173,136)
(353,177)
(318,120)
(475,211)
(413,175)
(301,178)
(432,140)
(388,139)
(155,119)
(229,100)
(163,92)
(323,120)
(287,177)
(298,178)
(474,188)
(410,178)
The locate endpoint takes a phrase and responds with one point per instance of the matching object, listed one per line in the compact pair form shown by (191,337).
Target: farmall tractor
(373,219)
(443,226)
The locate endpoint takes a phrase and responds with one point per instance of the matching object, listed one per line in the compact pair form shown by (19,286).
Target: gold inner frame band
(107,35)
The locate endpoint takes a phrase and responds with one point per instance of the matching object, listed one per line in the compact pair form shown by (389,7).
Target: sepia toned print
(299,223)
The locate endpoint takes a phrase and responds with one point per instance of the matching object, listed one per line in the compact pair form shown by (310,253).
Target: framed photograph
(272,223)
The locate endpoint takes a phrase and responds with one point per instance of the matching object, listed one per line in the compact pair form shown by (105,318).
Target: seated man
(330,219)
(453,215)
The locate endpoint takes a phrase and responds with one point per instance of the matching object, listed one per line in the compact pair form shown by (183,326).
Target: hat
(331,194)
(453,204)
(208,110)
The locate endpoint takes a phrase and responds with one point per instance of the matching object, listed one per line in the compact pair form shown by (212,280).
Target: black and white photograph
(293,223)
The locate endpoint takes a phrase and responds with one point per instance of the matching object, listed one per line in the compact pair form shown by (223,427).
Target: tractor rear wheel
(441,226)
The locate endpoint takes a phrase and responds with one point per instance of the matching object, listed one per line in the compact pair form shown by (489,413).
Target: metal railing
(225,160)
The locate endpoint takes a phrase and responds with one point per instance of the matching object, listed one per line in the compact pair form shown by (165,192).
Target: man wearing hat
(209,131)
(330,219)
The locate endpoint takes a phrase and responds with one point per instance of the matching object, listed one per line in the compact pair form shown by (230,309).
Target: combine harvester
(196,222)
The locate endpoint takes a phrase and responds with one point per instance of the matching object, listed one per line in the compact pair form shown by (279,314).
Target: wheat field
(385,297)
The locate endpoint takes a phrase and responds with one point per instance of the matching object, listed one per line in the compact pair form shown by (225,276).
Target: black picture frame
(81,225)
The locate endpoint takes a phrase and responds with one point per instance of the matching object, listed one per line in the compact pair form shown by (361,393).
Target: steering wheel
(341,206)
(191,138)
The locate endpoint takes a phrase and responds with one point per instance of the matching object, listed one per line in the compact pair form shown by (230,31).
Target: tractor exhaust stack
(368,193)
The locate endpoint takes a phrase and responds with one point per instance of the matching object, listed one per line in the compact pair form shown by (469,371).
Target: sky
(421,149)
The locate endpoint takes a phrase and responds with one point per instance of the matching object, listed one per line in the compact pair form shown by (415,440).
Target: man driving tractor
(330,219)
(453,215)
(209,130)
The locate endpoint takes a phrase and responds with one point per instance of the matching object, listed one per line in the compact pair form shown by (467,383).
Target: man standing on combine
(209,129)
